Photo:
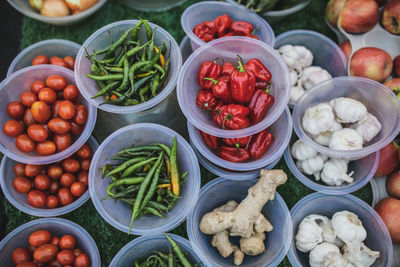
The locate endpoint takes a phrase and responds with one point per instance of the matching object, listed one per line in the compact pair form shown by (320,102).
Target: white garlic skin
(368,127)
(359,254)
(348,227)
(304,56)
(309,233)
(289,56)
(302,151)
(335,171)
(296,57)
(293,77)
(312,76)
(320,252)
(318,119)
(348,110)
(296,93)
(334,259)
(346,139)
(324,138)
(311,166)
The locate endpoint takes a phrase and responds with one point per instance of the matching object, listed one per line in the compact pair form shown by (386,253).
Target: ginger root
(253,245)
(238,256)
(222,243)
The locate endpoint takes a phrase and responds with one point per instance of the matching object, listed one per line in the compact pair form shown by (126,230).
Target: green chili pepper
(136,166)
(125,80)
(147,28)
(174,168)
(106,77)
(125,181)
(157,205)
(107,88)
(130,102)
(179,252)
(137,85)
(161,69)
(135,30)
(154,212)
(152,188)
(125,165)
(151,46)
(155,84)
(171,260)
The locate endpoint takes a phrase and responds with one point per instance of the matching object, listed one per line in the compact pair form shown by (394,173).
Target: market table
(110,240)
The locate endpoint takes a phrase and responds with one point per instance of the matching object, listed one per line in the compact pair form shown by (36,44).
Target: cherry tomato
(56,82)
(54,108)
(54,263)
(54,186)
(41,111)
(32,170)
(26,264)
(67,242)
(46,148)
(52,202)
(47,95)
(58,61)
(82,261)
(76,129)
(20,255)
(22,185)
(37,133)
(66,256)
(70,62)
(83,177)
(67,179)
(42,182)
(32,249)
(67,110)
(85,164)
(55,240)
(40,59)
(81,115)
(28,118)
(45,253)
(27,98)
(84,152)
(39,238)
(37,86)
(19,169)
(15,110)
(24,143)
(36,198)
(49,132)
(64,196)
(59,126)
(77,251)
(71,93)
(54,172)
(13,128)
(78,189)
(62,141)
(71,165)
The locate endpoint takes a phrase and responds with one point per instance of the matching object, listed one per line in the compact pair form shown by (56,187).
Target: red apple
(358,16)
(371,62)
(396,66)
(393,184)
(389,210)
(388,160)
(346,48)
(391,17)
(332,11)
(394,85)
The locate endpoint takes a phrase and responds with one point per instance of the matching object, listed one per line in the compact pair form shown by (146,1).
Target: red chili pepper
(259,105)
(260,143)
(260,71)
(222,24)
(205,99)
(232,116)
(210,140)
(233,154)
(220,88)
(228,68)
(242,28)
(205,30)
(242,84)
(237,142)
(208,69)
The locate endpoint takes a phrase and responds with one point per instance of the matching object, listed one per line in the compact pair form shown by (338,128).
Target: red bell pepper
(242,84)
(227,34)
(253,36)
(220,88)
(237,142)
(222,24)
(210,140)
(232,116)
(260,71)
(259,105)
(208,69)
(228,68)
(242,28)
(205,99)
(260,143)
(205,31)
(261,84)
(233,154)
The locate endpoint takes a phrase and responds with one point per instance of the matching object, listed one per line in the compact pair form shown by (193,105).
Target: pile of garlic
(328,170)
(341,124)
(303,76)
(337,242)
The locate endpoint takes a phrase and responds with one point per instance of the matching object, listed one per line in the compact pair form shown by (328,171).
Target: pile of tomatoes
(66,62)
(47,117)
(54,185)
(48,250)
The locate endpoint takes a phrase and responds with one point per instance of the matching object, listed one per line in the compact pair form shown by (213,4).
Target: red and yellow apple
(388,160)
(332,11)
(396,66)
(359,16)
(393,185)
(391,17)
(389,210)
(346,49)
(394,85)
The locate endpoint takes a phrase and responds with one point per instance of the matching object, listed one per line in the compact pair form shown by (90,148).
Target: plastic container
(20,200)
(364,170)
(185,48)
(49,48)
(101,39)
(209,10)
(378,237)
(153,5)
(118,214)
(25,8)
(378,99)
(57,226)
(10,90)
(143,247)
(220,191)
(228,48)
(281,130)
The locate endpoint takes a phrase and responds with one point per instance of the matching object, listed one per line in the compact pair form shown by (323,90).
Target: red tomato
(85,164)
(67,242)
(83,176)
(40,59)
(54,108)
(47,95)
(67,110)
(78,189)
(13,128)
(59,126)
(54,186)
(58,61)
(82,261)
(15,110)
(55,240)
(36,198)
(71,165)
(22,185)
(27,98)
(71,93)
(62,141)
(45,253)
(67,179)
(26,264)
(39,238)
(20,255)
(28,118)
(70,62)
(24,143)
(81,115)
(32,249)
(42,182)
(46,148)
(54,172)
(32,170)
(40,111)
(76,129)
(19,169)
(66,256)
(52,202)
(56,82)
(37,133)
(64,196)
(84,152)
(77,251)
(37,86)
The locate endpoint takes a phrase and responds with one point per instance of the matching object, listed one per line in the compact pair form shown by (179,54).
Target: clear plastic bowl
(101,39)
(56,226)
(151,6)
(118,214)
(228,48)
(49,48)
(143,247)
(327,54)
(19,82)
(281,130)
(25,8)
(209,10)
(20,201)
(185,48)
(378,237)
(364,170)
(218,192)
(378,99)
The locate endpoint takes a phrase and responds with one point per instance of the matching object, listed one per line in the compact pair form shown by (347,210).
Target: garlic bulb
(312,166)
(296,57)
(348,227)
(318,119)
(346,139)
(334,259)
(302,151)
(368,127)
(289,56)
(293,77)
(359,254)
(304,56)
(334,172)
(320,252)
(295,93)
(313,75)
(325,137)
(348,110)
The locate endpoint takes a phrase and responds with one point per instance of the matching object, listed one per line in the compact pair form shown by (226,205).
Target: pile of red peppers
(223,26)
